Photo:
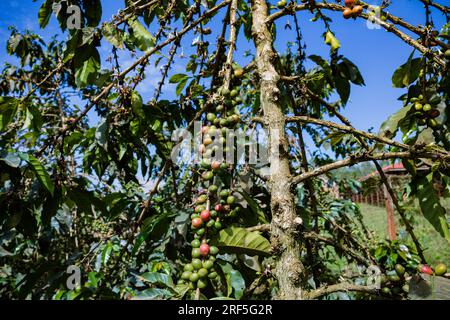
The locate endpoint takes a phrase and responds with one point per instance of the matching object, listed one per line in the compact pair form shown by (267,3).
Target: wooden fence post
(392,232)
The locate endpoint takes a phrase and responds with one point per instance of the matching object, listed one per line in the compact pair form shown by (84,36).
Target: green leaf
(8,109)
(152,294)
(101,133)
(87,69)
(407,73)
(235,281)
(45,12)
(181,86)
(352,72)
(431,207)
(113,35)
(39,170)
(176,78)
(331,40)
(136,104)
(239,240)
(343,88)
(254,206)
(390,126)
(156,278)
(140,35)
(11,160)
(93,12)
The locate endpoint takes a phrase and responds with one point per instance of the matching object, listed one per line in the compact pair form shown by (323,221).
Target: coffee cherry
(235,118)
(202,199)
(201,284)
(357,10)
(426,269)
(204,129)
(218,207)
(200,232)
(195,253)
(186,275)
(207,175)
(207,141)
(440,269)
(188,267)
(418,106)
(204,249)
(205,215)
(197,264)
(211,117)
(238,73)
(231,200)
(215,165)
(214,250)
(212,275)
(194,277)
(195,243)
(207,264)
(199,209)
(447,54)
(223,122)
(394,278)
(347,13)
(202,273)
(349,3)
(234,93)
(210,223)
(224,193)
(400,270)
(217,225)
(213,188)
(281,4)
(197,223)
(386,291)
(432,123)
(225,92)
(205,163)
(426,107)
(213,213)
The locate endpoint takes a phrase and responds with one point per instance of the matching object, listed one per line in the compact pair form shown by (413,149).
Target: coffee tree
(215,222)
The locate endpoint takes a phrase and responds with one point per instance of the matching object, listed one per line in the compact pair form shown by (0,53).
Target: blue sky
(376,52)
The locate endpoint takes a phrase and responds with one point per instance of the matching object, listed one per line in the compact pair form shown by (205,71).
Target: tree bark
(289,270)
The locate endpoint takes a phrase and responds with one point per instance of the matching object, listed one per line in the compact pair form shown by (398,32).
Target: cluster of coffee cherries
(352,9)
(214,200)
(395,282)
(426,111)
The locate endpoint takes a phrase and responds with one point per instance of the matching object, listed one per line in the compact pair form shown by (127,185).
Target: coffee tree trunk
(284,228)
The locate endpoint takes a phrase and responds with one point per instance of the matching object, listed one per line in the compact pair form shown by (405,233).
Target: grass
(436,248)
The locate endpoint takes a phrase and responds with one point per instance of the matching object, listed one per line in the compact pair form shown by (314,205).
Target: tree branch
(329,124)
(354,159)
(150,52)
(339,287)
(389,27)
(336,244)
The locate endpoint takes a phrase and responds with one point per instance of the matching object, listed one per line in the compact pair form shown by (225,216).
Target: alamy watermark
(73,13)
